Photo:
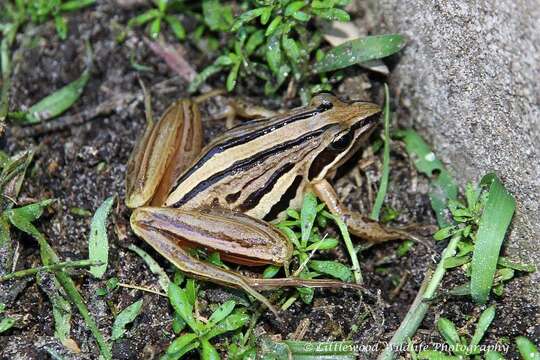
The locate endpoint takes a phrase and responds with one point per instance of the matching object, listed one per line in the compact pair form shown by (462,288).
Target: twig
(129,286)
(63,122)
(420,305)
(61,265)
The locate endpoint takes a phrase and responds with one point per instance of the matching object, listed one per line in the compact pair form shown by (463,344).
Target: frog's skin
(222,197)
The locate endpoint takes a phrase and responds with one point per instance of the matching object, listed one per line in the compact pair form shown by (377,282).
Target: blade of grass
(443,186)
(57,102)
(420,305)
(348,244)
(98,242)
(61,265)
(360,50)
(125,317)
(60,306)
(22,218)
(383,186)
(154,267)
(496,218)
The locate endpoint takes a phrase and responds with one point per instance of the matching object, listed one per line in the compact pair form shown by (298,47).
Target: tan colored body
(221,197)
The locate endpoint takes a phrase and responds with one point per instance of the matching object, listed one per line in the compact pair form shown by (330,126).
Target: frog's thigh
(166,148)
(237,237)
(357,224)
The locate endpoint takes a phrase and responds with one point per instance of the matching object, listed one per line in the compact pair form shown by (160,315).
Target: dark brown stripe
(246,164)
(285,200)
(253,199)
(243,139)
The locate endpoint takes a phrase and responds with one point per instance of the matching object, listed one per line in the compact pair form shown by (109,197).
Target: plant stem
(61,265)
(420,305)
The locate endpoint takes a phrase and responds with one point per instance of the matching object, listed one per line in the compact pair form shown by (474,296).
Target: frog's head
(346,125)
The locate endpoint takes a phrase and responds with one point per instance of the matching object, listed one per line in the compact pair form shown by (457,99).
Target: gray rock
(468,81)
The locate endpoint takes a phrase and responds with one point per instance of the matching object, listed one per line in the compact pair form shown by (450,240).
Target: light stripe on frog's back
(240,147)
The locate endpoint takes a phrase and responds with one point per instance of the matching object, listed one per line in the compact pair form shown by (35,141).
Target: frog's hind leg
(167,147)
(170,230)
(358,224)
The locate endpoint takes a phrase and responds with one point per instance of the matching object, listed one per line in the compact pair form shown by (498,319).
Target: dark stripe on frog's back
(243,165)
(241,135)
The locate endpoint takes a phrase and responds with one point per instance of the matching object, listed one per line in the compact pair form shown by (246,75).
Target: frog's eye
(342,142)
(323,101)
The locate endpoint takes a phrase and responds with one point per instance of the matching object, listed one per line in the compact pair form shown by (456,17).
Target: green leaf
(125,317)
(301,16)
(98,242)
(180,344)
(220,63)
(247,17)
(333,15)
(293,7)
(233,76)
(496,218)
(61,27)
(332,268)
(221,313)
(176,26)
(155,28)
(273,53)
(443,186)
(217,16)
(505,262)
(308,350)
(273,25)
(144,18)
(6,324)
(291,49)
(324,244)
(383,186)
(527,349)
(208,352)
(307,216)
(154,267)
(182,306)
(265,16)
(456,261)
(404,247)
(444,233)
(484,321)
(448,331)
(76,4)
(271,271)
(57,102)
(230,323)
(253,42)
(360,50)
(493,355)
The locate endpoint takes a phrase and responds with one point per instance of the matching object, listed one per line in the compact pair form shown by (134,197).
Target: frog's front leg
(237,237)
(358,224)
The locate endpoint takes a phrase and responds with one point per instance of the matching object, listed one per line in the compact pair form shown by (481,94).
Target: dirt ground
(83,164)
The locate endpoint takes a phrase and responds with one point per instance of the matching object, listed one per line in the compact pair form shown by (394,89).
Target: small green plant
(40,11)
(459,345)
(224,319)
(304,231)
(162,13)
(5,322)
(279,41)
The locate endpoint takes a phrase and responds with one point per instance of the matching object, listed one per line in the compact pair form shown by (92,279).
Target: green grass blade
(98,242)
(484,321)
(443,186)
(125,317)
(496,218)
(360,50)
(527,349)
(383,186)
(57,102)
(154,267)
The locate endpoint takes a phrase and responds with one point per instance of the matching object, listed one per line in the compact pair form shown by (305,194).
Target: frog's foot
(362,226)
